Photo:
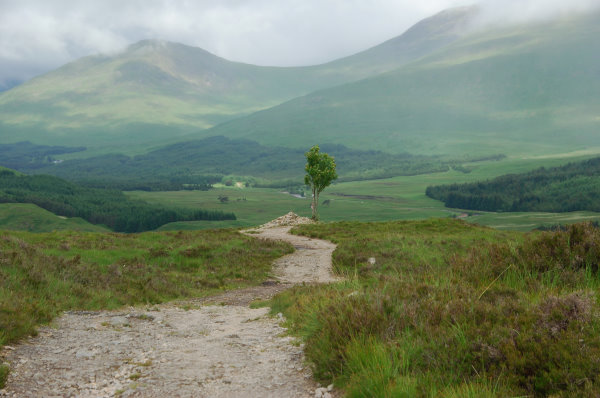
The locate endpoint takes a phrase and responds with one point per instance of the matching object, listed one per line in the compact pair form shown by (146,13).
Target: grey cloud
(39,35)
(519,11)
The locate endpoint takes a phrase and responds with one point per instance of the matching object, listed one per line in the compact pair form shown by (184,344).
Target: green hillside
(519,90)
(156,92)
(29,217)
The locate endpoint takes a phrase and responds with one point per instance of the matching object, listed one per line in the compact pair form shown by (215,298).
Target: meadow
(398,198)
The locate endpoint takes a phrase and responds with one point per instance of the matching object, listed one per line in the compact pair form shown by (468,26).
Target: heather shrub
(454,310)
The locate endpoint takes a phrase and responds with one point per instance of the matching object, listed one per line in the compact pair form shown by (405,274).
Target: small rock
(371,260)
(119,321)
(330,387)
(84,354)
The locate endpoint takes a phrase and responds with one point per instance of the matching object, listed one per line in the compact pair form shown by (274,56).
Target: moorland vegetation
(43,274)
(447,309)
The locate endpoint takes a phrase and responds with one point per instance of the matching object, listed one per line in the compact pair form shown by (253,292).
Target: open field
(399,198)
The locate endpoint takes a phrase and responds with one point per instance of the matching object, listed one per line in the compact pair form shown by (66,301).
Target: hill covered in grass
(573,187)
(109,208)
(157,91)
(525,89)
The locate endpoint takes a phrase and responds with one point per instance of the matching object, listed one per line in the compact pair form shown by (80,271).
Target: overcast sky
(39,35)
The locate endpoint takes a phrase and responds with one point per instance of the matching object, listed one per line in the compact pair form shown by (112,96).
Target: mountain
(158,91)
(530,89)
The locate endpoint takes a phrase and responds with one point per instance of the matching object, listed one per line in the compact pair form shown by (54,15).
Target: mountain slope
(527,89)
(156,91)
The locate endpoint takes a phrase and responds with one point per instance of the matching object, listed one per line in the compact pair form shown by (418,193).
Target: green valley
(465,216)
(398,198)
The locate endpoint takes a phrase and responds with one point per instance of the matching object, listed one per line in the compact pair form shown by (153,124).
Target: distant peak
(452,20)
(148,44)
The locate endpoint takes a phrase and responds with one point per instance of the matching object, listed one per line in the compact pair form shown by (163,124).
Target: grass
(399,198)
(4,370)
(450,309)
(46,273)
(29,217)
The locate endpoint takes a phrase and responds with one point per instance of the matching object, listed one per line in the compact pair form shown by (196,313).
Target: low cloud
(524,11)
(40,35)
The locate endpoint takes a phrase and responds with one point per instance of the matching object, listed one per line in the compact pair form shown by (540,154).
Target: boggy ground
(216,347)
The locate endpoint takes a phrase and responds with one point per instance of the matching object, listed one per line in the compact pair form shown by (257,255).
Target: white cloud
(39,35)
(519,11)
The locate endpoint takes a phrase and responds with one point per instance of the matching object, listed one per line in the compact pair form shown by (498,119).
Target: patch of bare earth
(215,347)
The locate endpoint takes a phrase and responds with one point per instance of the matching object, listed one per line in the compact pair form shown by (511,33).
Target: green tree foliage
(98,206)
(320,172)
(198,164)
(573,187)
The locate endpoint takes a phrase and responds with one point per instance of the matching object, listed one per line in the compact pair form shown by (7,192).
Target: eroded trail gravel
(216,347)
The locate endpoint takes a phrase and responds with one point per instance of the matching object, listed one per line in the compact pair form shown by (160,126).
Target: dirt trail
(185,349)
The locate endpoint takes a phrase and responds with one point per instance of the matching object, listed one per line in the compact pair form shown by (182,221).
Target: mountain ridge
(164,87)
(517,90)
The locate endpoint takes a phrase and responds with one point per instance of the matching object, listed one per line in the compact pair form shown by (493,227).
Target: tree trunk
(314,204)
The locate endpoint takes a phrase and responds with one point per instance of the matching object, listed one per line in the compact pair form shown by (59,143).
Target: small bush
(4,371)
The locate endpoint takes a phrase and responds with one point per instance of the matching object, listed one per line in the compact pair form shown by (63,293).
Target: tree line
(572,187)
(198,164)
(108,207)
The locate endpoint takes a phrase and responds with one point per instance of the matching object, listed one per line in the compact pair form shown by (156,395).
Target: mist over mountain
(522,89)
(446,86)
(156,91)
(8,84)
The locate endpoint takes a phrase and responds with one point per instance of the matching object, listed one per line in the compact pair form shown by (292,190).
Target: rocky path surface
(216,347)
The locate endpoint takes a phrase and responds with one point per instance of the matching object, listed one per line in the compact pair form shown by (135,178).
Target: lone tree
(320,171)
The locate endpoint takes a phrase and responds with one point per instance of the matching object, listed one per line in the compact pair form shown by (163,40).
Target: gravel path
(216,347)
